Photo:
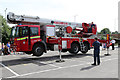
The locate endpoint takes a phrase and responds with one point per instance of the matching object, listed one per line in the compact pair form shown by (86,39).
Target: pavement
(75,66)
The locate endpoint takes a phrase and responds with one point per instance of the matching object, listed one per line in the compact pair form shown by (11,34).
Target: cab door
(24,38)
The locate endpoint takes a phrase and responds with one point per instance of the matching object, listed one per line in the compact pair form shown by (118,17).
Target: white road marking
(110,59)
(45,63)
(9,69)
(50,64)
(34,73)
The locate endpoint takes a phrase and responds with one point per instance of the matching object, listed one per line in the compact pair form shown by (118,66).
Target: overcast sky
(104,13)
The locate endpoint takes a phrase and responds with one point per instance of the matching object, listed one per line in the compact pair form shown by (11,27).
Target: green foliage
(116,32)
(5,30)
(98,32)
(105,31)
(103,37)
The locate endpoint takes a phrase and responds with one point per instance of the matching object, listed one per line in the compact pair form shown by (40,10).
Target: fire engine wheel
(28,52)
(64,50)
(38,50)
(86,48)
(74,48)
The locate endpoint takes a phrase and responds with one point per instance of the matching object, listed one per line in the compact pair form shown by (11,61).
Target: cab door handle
(26,39)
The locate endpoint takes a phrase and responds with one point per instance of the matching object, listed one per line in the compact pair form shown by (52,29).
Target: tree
(5,30)
(98,32)
(116,32)
(105,31)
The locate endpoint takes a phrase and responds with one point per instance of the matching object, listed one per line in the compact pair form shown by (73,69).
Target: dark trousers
(113,46)
(96,55)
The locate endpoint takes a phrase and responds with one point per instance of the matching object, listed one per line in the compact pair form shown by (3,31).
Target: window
(34,31)
(17,32)
(24,31)
(13,31)
(20,31)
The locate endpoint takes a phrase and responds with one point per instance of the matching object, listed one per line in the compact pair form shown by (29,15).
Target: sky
(104,13)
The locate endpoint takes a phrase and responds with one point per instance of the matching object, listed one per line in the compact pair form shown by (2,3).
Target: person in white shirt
(113,43)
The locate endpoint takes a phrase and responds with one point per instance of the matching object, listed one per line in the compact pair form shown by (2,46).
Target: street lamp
(75,18)
(5,12)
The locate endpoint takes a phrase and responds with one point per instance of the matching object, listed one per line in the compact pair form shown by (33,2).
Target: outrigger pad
(60,60)
(107,54)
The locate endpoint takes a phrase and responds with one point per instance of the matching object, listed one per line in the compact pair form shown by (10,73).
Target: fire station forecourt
(75,66)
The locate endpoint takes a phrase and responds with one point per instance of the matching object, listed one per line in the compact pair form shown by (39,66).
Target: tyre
(38,50)
(28,52)
(74,48)
(64,50)
(86,48)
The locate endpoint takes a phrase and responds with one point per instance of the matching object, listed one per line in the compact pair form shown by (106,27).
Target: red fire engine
(34,35)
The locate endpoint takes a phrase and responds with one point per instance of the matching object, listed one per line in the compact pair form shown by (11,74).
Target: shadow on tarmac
(37,60)
(87,68)
(26,60)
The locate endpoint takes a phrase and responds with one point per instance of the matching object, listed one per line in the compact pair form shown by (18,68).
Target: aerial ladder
(23,19)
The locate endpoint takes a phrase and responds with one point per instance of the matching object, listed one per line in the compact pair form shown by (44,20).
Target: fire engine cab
(35,35)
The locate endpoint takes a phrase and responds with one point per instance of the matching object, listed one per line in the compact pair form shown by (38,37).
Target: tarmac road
(75,66)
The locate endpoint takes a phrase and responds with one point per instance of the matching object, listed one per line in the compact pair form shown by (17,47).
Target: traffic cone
(11,52)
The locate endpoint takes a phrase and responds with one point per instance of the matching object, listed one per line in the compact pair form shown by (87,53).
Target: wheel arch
(75,42)
(41,43)
(86,42)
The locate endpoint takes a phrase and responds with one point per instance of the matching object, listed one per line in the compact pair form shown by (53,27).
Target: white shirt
(113,41)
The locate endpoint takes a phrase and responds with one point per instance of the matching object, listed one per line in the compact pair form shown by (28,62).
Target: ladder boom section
(16,19)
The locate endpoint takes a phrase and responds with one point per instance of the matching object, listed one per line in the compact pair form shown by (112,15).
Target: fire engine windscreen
(15,32)
(21,31)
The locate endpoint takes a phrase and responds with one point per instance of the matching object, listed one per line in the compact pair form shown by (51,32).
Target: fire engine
(35,35)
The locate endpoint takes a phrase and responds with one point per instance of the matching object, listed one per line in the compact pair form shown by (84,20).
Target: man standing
(113,42)
(96,45)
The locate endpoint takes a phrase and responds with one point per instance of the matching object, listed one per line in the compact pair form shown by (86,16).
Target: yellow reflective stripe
(34,37)
(19,39)
(22,38)
(27,38)
(50,36)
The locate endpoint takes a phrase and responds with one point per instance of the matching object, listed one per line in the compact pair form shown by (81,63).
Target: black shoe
(98,64)
(93,64)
